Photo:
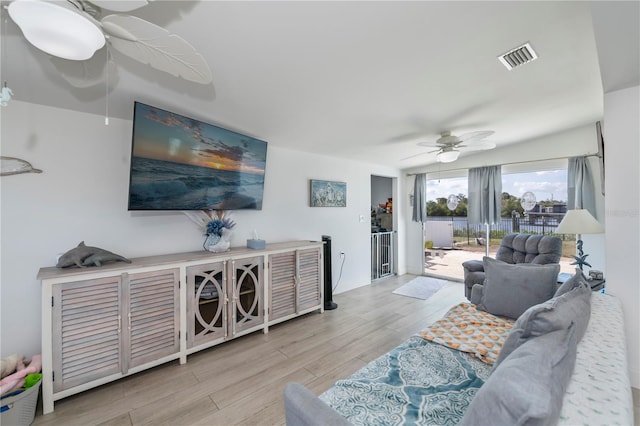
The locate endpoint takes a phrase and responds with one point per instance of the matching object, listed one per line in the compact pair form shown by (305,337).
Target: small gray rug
(420,287)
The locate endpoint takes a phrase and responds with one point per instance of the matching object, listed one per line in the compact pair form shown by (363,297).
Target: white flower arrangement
(216,225)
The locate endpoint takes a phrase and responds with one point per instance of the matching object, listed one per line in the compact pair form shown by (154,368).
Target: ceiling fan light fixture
(57,30)
(447,156)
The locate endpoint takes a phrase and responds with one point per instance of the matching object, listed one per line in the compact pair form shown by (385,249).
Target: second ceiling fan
(449,146)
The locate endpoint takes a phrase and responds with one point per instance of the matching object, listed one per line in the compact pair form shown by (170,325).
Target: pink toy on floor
(16,380)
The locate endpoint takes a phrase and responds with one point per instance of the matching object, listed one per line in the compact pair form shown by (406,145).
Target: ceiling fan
(76,29)
(449,146)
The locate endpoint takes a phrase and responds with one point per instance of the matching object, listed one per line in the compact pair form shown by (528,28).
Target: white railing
(382,244)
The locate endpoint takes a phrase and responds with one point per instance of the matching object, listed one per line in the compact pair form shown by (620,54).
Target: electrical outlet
(341,254)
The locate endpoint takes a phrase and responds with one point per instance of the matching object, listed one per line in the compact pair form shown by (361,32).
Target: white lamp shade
(579,221)
(447,156)
(57,30)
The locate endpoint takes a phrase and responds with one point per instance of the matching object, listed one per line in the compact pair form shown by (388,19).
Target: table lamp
(579,222)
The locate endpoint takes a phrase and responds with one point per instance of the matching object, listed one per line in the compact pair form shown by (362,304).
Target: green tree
(509,204)
(438,207)
(461,209)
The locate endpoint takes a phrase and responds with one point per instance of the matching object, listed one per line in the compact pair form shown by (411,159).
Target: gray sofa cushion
(575,281)
(509,290)
(573,307)
(528,387)
(303,408)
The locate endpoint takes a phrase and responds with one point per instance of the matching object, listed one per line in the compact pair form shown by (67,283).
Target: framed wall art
(325,193)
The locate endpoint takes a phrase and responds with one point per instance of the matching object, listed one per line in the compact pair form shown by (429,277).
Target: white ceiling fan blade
(480,134)
(429,145)
(120,5)
(83,74)
(153,45)
(413,156)
(478,146)
(419,154)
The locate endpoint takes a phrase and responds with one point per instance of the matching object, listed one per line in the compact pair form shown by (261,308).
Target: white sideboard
(103,323)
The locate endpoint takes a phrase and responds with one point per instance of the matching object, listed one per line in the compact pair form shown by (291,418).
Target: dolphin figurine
(82,256)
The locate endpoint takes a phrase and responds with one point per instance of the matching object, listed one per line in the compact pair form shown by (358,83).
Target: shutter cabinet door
(152,323)
(309,273)
(282,285)
(86,331)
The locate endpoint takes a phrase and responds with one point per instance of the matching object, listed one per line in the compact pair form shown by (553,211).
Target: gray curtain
(580,188)
(420,198)
(485,195)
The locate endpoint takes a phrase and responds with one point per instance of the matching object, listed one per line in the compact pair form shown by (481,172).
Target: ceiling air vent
(518,56)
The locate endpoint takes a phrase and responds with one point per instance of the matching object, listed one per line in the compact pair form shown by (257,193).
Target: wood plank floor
(241,381)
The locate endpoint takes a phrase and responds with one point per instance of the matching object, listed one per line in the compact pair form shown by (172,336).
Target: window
(547,182)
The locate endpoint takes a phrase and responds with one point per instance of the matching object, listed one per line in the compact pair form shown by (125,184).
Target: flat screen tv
(179,163)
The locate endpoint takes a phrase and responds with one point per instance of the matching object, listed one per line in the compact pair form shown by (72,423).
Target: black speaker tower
(329,304)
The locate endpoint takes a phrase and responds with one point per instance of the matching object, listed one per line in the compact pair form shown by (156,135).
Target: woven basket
(21,408)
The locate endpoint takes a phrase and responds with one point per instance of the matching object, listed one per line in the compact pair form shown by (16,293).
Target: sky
(167,136)
(545,185)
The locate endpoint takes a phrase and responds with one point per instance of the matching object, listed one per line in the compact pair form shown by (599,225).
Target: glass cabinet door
(207,301)
(246,293)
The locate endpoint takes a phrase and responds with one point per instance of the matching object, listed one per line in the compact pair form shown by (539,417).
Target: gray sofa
(563,362)
(515,248)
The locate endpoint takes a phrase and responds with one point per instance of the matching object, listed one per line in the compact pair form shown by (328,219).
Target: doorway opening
(383,233)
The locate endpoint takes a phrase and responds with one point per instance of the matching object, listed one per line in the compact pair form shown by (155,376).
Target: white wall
(622,188)
(570,143)
(82,195)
